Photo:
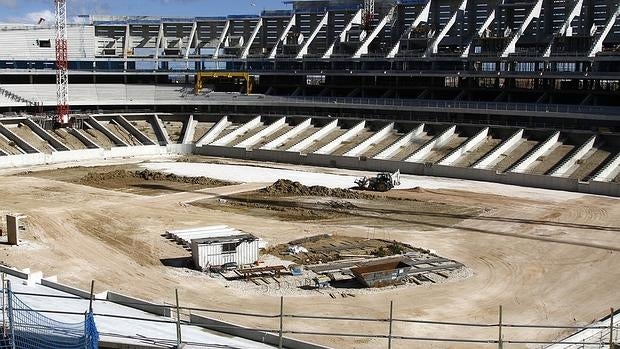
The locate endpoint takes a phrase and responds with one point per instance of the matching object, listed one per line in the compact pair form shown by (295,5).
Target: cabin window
(229,248)
(44,43)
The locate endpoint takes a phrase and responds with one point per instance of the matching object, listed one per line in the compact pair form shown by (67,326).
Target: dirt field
(128,179)
(547,257)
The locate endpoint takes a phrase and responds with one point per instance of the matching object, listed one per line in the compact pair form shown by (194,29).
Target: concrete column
(290,134)
(470,144)
(374,139)
(562,168)
(12,227)
(124,123)
(213,132)
(487,160)
(190,129)
(95,124)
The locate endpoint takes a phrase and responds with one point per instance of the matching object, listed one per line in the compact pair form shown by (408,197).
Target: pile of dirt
(285,187)
(147,175)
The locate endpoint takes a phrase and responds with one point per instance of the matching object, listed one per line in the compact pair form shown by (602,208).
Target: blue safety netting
(29,329)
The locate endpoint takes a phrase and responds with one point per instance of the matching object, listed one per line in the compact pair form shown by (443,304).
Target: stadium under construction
(501,116)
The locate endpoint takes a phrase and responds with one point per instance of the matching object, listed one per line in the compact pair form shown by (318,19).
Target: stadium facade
(561,56)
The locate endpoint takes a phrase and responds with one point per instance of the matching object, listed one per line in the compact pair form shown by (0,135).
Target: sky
(29,11)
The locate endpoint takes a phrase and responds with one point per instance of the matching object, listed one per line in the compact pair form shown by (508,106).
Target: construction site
(337,174)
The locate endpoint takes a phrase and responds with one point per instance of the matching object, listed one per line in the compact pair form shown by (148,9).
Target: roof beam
(512,45)
(190,40)
(283,36)
(598,43)
(304,49)
(480,32)
(357,19)
(246,50)
(364,47)
(221,41)
(442,34)
(422,17)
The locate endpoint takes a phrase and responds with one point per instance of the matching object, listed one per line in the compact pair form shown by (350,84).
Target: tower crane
(368,14)
(62,64)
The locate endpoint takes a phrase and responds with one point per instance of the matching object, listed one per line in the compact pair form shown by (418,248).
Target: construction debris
(98,177)
(285,187)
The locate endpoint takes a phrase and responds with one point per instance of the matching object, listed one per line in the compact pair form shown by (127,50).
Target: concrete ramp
(46,136)
(562,168)
(289,135)
(248,126)
(85,140)
(491,157)
(393,149)
(471,144)
(605,174)
(523,164)
(94,123)
(214,132)
(19,142)
(262,134)
(376,138)
(129,127)
(320,133)
(331,146)
(440,139)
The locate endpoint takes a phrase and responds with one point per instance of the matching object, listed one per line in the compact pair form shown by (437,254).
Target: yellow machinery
(202,76)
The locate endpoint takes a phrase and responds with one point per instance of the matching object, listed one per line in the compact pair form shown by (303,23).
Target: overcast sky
(29,11)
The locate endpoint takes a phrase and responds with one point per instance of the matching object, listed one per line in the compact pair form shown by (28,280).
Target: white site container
(241,249)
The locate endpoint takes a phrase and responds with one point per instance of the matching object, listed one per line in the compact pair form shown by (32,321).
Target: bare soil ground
(546,257)
(128,179)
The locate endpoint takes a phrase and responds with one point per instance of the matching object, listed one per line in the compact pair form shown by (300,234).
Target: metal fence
(386,332)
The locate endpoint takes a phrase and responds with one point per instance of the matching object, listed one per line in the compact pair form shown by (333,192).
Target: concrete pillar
(12,227)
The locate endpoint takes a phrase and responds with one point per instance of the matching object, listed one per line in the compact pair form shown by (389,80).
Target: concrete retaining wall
(161,131)
(239,331)
(376,165)
(64,288)
(138,304)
